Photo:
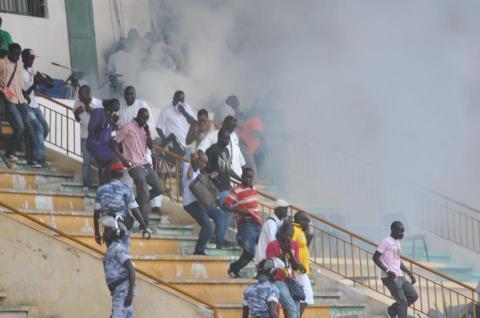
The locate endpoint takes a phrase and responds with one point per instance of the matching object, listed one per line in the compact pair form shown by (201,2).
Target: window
(34,8)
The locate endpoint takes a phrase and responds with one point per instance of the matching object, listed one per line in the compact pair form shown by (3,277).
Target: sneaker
(85,189)
(35,165)
(164,220)
(233,274)
(200,253)
(12,158)
(226,244)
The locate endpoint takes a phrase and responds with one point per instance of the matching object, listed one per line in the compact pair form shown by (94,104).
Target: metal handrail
(328,223)
(359,256)
(54,101)
(157,280)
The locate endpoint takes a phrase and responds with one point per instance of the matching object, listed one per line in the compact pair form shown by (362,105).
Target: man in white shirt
(130,107)
(238,161)
(82,109)
(269,229)
(128,111)
(174,122)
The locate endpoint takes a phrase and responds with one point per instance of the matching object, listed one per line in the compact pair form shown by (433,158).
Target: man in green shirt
(5,40)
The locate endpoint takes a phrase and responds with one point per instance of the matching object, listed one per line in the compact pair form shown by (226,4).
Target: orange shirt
(6,70)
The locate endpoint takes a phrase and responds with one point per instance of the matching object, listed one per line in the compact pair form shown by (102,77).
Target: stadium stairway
(55,199)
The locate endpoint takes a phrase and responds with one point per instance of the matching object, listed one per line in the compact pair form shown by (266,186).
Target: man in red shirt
(243,201)
(288,251)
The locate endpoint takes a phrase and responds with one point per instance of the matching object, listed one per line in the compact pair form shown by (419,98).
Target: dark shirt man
(219,161)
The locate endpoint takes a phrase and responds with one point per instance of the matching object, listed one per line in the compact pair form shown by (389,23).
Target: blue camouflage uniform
(115,198)
(257,296)
(116,275)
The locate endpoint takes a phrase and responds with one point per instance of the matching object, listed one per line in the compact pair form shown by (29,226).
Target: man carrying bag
(199,197)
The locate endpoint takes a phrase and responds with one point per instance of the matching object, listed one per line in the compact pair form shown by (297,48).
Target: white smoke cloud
(371,94)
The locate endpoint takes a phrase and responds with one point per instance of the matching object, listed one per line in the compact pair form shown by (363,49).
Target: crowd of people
(117,136)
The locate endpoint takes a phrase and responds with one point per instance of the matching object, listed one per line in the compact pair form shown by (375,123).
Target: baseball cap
(29,53)
(281,203)
(116,166)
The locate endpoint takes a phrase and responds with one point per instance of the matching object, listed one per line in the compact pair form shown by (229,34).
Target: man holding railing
(387,258)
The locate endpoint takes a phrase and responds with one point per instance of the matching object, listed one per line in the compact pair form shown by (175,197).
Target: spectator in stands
(243,201)
(229,108)
(200,213)
(16,108)
(286,250)
(270,227)
(387,258)
(119,274)
(100,128)
(135,138)
(82,109)
(30,79)
(237,159)
(199,129)
(219,162)
(5,40)
(128,111)
(174,122)
(113,200)
(300,235)
(261,299)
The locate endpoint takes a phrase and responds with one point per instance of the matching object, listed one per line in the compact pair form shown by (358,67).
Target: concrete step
(31,179)
(46,200)
(158,244)
(219,290)
(318,310)
(189,266)
(14,311)
(327,297)
(82,222)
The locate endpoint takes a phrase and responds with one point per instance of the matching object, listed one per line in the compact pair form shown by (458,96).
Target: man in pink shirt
(387,258)
(135,137)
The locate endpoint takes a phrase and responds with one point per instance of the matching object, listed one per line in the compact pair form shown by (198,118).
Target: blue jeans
(288,303)
(87,164)
(227,216)
(248,232)
(39,115)
(202,215)
(38,130)
(18,116)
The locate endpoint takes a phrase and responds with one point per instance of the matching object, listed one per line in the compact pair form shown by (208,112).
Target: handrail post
(353,260)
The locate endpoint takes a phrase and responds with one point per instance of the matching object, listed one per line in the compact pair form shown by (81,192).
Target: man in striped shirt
(243,201)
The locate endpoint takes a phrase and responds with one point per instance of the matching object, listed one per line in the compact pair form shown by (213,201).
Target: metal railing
(90,248)
(35,8)
(64,133)
(453,221)
(347,254)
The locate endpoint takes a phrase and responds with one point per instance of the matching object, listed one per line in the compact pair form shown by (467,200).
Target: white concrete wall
(136,14)
(47,36)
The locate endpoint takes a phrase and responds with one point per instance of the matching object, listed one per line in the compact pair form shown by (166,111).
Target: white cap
(280,203)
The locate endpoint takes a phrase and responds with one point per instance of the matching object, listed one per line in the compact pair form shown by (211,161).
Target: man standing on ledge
(387,257)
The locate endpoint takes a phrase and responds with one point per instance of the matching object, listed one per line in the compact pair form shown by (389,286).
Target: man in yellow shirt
(300,234)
